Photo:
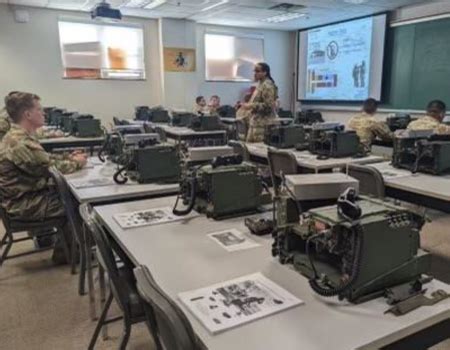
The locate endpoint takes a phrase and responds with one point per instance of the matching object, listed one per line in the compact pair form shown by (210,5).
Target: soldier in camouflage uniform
(260,110)
(367,127)
(4,123)
(25,187)
(433,120)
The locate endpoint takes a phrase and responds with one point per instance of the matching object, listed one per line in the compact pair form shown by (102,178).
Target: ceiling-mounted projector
(104,10)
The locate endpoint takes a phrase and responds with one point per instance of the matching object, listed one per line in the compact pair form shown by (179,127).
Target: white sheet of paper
(155,216)
(232,303)
(232,240)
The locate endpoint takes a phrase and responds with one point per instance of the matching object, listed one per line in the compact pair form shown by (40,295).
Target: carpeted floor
(42,310)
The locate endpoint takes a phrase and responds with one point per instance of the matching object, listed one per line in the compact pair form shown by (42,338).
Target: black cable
(341,290)
(119,173)
(192,186)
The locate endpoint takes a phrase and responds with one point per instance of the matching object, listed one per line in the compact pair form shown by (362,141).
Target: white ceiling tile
(245,13)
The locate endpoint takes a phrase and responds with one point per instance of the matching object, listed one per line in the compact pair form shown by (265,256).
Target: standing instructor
(260,110)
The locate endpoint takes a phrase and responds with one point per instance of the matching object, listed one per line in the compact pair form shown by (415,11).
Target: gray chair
(280,163)
(13,226)
(122,286)
(173,329)
(241,129)
(75,226)
(240,148)
(370,180)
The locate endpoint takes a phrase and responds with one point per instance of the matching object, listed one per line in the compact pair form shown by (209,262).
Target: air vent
(287,7)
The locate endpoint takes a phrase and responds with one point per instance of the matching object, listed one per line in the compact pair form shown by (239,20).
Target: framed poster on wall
(179,59)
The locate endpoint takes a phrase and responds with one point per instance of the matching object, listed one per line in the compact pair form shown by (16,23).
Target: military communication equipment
(284,136)
(182,118)
(338,247)
(205,123)
(155,114)
(66,121)
(129,129)
(419,152)
(226,111)
(85,125)
(201,154)
(54,116)
(398,121)
(308,117)
(285,114)
(148,161)
(333,142)
(226,187)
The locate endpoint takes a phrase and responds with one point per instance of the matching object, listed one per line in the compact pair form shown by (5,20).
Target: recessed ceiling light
(136,3)
(220,3)
(288,16)
(155,3)
(356,2)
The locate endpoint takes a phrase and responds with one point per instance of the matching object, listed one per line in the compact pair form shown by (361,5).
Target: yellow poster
(179,60)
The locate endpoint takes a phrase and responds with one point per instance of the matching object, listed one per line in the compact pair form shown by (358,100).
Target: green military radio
(182,118)
(359,249)
(85,125)
(148,161)
(419,151)
(226,187)
(331,140)
(284,136)
(205,123)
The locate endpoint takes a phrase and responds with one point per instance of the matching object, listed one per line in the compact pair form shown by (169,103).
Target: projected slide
(336,62)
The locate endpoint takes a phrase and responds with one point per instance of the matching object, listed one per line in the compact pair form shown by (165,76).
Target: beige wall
(30,61)
(182,88)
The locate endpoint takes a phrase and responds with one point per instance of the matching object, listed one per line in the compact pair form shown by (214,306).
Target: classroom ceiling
(243,13)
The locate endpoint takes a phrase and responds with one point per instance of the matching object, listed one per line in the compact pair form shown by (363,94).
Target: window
(92,50)
(232,57)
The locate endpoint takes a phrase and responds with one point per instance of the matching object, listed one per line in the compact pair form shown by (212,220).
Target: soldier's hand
(80,158)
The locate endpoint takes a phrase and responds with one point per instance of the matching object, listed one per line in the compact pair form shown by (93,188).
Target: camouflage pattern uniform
(262,110)
(429,123)
(367,128)
(4,123)
(25,187)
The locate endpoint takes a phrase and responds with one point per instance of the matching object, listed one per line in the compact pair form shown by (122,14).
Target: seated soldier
(26,190)
(5,123)
(367,127)
(214,104)
(200,106)
(433,120)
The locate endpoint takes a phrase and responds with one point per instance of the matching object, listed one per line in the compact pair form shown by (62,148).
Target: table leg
(101,278)
(90,277)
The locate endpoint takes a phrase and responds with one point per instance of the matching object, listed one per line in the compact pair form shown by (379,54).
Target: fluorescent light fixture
(220,3)
(136,3)
(288,16)
(154,4)
(356,2)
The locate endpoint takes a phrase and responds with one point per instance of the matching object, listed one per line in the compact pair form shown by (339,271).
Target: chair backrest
(68,202)
(280,162)
(242,129)
(106,257)
(174,329)
(240,149)
(370,180)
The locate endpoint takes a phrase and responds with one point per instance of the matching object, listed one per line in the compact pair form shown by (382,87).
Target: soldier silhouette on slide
(356,75)
(362,74)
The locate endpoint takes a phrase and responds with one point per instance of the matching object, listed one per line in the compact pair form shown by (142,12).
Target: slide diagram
(338,61)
